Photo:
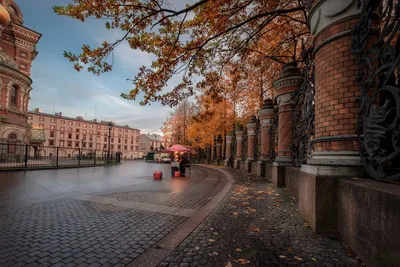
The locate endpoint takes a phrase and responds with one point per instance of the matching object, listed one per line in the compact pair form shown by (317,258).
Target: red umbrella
(177,148)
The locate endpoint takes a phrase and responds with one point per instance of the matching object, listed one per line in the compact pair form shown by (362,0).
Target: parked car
(166,159)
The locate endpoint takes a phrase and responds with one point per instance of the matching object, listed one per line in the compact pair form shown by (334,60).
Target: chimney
(36,110)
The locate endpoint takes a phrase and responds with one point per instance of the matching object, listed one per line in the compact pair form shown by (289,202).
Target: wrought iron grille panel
(257,141)
(378,55)
(304,111)
(273,137)
(244,146)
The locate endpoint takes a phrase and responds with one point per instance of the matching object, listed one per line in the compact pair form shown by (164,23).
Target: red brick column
(336,90)
(239,147)
(289,80)
(266,114)
(251,135)
(228,150)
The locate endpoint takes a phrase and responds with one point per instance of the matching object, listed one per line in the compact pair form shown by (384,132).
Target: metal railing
(30,156)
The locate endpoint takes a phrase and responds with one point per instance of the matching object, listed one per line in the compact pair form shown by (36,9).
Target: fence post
(79,157)
(95,157)
(57,158)
(26,156)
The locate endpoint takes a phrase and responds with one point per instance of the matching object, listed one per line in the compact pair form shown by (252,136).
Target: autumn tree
(196,39)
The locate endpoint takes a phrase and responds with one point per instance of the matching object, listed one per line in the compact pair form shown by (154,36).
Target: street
(98,216)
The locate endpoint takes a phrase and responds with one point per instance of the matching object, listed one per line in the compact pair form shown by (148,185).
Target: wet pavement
(100,216)
(258,225)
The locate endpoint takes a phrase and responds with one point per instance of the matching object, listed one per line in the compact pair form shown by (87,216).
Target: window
(77,130)
(62,135)
(119,140)
(70,123)
(98,127)
(112,146)
(51,142)
(104,146)
(90,145)
(136,148)
(52,127)
(77,144)
(97,146)
(126,147)
(91,125)
(126,141)
(98,133)
(13,95)
(52,120)
(112,140)
(41,118)
(29,117)
(62,128)
(69,129)
(119,135)
(84,125)
(119,146)
(119,130)
(51,133)
(61,143)
(105,127)
(78,124)
(69,144)
(22,66)
(90,132)
(62,122)
(131,147)
(98,139)
(23,54)
(105,139)
(41,126)
(84,137)
(84,144)
(126,130)
(69,136)
(84,131)
(131,142)
(91,137)
(77,137)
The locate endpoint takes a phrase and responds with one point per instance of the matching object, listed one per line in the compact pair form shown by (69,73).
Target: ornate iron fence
(304,111)
(257,141)
(378,53)
(244,146)
(16,156)
(272,132)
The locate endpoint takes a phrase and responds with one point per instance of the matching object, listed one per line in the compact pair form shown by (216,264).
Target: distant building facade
(151,142)
(72,135)
(17,51)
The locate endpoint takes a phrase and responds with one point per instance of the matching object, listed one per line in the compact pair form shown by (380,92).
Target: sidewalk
(258,225)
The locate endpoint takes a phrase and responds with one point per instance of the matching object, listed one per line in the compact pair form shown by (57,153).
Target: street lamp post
(110,125)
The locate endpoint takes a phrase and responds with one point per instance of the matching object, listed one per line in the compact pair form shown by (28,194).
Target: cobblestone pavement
(257,225)
(71,231)
(196,193)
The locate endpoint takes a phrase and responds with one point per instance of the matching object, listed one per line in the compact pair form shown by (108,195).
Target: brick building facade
(151,142)
(17,51)
(72,134)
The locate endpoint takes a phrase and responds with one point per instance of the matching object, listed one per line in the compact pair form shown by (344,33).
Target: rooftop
(77,118)
(154,137)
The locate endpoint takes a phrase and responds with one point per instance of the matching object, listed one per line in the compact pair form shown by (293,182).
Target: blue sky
(58,87)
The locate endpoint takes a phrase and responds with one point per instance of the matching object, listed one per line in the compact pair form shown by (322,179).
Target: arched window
(12,136)
(13,95)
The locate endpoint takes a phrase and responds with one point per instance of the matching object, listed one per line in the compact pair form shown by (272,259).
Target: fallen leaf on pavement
(255,229)
(243,261)
(282,257)
(245,203)
(196,248)
(314,259)
(238,249)
(298,258)
(277,205)
(229,264)
(236,213)
(211,240)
